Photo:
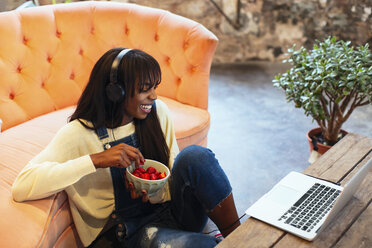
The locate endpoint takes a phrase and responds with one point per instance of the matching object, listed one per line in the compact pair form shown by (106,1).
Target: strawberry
(136,174)
(151,170)
(162,175)
(153,177)
(146,176)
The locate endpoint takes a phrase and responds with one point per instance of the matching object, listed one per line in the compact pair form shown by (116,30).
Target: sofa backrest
(47,53)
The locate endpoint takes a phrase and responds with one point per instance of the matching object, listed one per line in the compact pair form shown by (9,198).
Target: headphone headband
(115,65)
(114,91)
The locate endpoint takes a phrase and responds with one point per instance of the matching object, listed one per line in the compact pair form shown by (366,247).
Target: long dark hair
(94,105)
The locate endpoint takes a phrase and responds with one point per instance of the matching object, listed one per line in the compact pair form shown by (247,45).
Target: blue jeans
(197,185)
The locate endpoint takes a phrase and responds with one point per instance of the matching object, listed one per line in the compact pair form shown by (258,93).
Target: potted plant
(328,82)
(46,2)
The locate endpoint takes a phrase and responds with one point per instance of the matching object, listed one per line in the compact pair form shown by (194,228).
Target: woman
(119,121)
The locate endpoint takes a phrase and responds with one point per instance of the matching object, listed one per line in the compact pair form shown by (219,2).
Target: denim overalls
(177,223)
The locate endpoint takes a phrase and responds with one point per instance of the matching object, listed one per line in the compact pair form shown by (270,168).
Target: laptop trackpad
(283,195)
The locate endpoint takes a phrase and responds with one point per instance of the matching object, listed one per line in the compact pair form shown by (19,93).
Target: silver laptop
(304,205)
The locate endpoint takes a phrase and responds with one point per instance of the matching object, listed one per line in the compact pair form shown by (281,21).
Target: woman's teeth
(146,107)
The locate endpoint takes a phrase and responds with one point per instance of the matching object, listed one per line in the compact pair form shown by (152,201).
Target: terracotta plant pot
(321,148)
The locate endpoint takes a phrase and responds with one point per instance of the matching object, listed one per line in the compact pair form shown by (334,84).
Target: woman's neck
(126,120)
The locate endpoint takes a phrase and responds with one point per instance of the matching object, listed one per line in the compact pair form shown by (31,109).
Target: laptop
(304,205)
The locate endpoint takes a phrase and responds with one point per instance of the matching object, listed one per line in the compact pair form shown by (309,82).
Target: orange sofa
(46,55)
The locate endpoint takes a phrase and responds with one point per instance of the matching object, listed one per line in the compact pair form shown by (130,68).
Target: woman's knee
(196,164)
(198,168)
(195,155)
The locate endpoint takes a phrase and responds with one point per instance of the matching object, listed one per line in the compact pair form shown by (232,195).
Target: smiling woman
(108,133)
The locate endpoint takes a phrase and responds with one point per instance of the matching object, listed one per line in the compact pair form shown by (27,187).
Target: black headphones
(114,91)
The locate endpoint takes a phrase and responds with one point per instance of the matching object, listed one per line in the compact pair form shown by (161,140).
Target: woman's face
(139,106)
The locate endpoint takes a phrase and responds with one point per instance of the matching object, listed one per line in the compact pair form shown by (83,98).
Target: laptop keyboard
(311,207)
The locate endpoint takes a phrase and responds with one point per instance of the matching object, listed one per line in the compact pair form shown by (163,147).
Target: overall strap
(104,137)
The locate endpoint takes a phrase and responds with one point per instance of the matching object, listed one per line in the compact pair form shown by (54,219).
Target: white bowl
(151,186)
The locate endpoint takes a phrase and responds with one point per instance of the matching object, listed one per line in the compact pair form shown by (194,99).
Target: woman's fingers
(121,155)
(130,187)
(124,161)
(126,182)
(135,155)
(130,153)
(124,154)
(145,196)
(133,192)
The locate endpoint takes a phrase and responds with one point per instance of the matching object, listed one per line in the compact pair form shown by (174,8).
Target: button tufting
(25,40)
(19,69)
(81,51)
(49,59)
(156,37)
(179,80)
(92,30)
(72,75)
(126,30)
(11,95)
(58,34)
(185,45)
(192,69)
(167,60)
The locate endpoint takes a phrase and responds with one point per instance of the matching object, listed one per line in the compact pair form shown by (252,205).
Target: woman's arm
(58,166)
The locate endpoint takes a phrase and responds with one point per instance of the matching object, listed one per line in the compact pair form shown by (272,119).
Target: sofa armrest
(40,223)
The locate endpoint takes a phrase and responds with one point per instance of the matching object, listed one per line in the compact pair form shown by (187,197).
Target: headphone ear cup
(115,92)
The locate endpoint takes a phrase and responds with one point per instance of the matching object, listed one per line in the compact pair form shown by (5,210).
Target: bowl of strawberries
(151,176)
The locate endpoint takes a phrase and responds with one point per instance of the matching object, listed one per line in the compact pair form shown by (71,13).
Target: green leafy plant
(66,1)
(45,2)
(328,82)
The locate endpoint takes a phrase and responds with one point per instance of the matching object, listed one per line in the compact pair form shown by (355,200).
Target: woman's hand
(133,192)
(120,156)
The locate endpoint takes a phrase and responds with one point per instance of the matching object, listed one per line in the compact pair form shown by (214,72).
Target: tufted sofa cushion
(46,55)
